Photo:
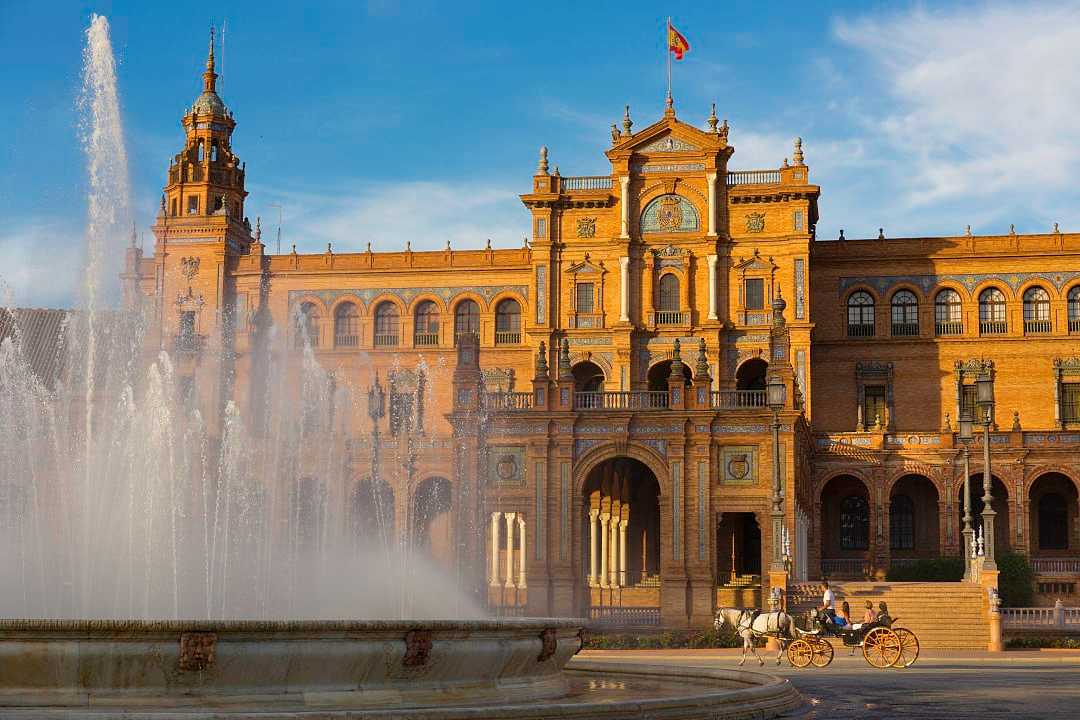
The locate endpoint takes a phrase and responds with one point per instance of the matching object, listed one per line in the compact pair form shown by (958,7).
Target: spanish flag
(676,42)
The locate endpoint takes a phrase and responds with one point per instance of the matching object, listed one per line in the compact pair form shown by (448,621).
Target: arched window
(854,523)
(387,324)
(466,319)
(948,313)
(1053,522)
(992,312)
(901,523)
(669,293)
(426,331)
(1036,310)
(1074,309)
(905,313)
(200,154)
(860,314)
(508,322)
(213,151)
(346,325)
(307,325)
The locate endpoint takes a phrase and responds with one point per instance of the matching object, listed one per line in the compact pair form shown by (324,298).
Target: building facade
(588,415)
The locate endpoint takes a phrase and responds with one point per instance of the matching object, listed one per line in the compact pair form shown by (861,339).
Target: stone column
(604,519)
(613,578)
(624,200)
(711,177)
(594,518)
(521,552)
(510,517)
(494,549)
(622,552)
(624,291)
(712,286)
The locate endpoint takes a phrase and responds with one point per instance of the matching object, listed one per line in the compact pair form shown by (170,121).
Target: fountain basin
(511,668)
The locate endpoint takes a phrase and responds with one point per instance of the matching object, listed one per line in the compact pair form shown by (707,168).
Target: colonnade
(607,545)
(515,557)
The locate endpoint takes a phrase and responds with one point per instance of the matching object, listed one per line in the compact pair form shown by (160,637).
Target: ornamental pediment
(756,262)
(585,267)
(668,142)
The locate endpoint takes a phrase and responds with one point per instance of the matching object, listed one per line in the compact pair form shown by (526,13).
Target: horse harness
(749,615)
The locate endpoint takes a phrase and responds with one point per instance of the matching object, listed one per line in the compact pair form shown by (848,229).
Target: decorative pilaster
(494,581)
(624,289)
(624,201)
(712,260)
(521,552)
(711,178)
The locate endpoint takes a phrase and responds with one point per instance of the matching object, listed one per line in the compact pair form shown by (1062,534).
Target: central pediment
(668,143)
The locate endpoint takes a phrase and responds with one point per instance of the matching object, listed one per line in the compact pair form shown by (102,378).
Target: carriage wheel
(800,653)
(909,648)
(823,653)
(881,647)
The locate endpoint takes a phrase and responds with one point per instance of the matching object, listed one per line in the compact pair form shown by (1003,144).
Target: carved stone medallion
(755,222)
(586,227)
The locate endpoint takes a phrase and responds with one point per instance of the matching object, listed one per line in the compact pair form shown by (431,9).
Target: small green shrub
(1016,580)
(1032,643)
(947,569)
(670,640)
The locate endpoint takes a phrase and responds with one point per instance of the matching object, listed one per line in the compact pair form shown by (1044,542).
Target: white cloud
(40,263)
(425,213)
(977,113)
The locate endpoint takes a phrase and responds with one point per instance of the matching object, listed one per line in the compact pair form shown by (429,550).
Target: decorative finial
(786,163)
(541,362)
(881,233)
(210,77)
(724,130)
(1016,421)
(627,123)
(258,228)
(798,155)
(702,369)
(542,166)
(778,307)
(614,134)
(525,241)
(669,106)
(294,248)
(369,246)
(565,372)
(841,234)
(712,119)
(556,173)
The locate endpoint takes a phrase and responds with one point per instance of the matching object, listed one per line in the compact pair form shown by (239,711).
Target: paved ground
(942,684)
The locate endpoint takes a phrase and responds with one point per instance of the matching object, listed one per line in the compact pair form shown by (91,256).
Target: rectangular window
(873,405)
(541,228)
(755,294)
(798,220)
(193,205)
(1070,402)
(585,297)
(401,412)
(967,402)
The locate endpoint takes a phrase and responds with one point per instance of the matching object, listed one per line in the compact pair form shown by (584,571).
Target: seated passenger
(883,613)
(869,617)
(843,616)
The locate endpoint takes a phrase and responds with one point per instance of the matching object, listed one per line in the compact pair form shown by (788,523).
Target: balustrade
(425,339)
(386,340)
(952,327)
(508,400)
(346,340)
(905,329)
(621,400)
(1056,566)
(669,317)
(860,330)
(753,177)
(633,616)
(507,338)
(993,327)
(1036,327)
(586,182)
(1074,326)
(738,399)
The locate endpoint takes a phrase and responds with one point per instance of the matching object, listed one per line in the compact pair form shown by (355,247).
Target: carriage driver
(828,600)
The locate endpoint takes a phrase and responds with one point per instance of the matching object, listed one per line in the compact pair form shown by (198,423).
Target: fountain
(160,567)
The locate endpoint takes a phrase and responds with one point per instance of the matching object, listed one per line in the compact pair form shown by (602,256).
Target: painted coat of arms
(755,222)
(669,215)
(586,227)
(189,267)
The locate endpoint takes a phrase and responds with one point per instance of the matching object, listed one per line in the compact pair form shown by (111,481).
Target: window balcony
(1037,327)
(993,327)
(346,340)
(860,330)
(948,327)
(905,329)
(585,320)
(508,337)
(1074,325)
(621,400)
(669,317)
(425,339)
(386,340)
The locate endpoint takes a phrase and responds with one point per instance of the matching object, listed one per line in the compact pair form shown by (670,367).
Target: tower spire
(210,77)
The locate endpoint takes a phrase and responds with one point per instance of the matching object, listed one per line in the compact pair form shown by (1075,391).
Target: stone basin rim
(277,626)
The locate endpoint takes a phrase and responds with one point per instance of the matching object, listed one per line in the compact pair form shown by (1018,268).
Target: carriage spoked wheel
(800,653)
(881,647)
(909,648)
(823,653)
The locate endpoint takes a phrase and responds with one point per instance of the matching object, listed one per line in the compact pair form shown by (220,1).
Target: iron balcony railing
(949,327)
(860,330)
(1036,327)
(670,317)
(346,340)
(1074,325)
(386,339)
(753,177)
(425,339)
(993,327)
(732,399)
(621,400)
(507,338)
(508,400)
(586,182)
(905,329)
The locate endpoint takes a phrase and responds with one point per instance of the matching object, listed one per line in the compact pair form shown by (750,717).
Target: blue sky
(390,121)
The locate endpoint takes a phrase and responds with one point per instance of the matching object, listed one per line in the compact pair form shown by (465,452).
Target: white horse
(777,624)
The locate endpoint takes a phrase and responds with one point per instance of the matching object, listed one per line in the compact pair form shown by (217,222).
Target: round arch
(862,287)
(658,373)
(1052,513)
(425,297)
(751,374)
(608,451)
(588,376)
(348,298)
(997,284)
(477,298)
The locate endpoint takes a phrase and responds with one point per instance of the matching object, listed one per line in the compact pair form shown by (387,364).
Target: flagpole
(667,51)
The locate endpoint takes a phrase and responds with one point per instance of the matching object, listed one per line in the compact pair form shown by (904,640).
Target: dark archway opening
(1053,514)
(738,549)
(588,377)
(658,375)
(845,527)
(913,518)
(625,492)
(431,519)
(751,375)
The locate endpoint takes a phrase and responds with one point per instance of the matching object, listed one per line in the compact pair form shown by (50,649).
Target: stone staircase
(942,614)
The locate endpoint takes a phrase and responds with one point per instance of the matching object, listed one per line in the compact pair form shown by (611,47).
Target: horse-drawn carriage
(883,645)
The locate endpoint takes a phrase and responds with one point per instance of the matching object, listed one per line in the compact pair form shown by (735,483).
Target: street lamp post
(776,397)
(984,394)
(968,532)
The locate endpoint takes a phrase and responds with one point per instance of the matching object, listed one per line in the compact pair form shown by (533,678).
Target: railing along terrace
(586,182)
(753,177)
(425,339)
(621,400)
(949,328)
(670,317)
(508,400)
(1074,326)
(845,567)
(385,340)
(507,338)
(346,340)
(860,330)
(1036,327)
(905,329)
(728,399)
(993,327)
(1056,566)
(1041,617)
(608,615)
